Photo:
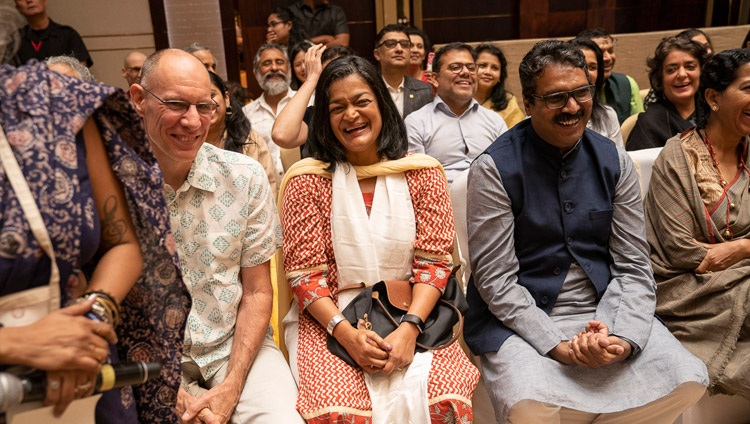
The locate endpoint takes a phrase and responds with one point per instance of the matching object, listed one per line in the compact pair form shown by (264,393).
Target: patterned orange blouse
(308,249)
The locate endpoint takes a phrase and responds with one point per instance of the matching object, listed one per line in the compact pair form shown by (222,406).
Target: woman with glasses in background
(282,30)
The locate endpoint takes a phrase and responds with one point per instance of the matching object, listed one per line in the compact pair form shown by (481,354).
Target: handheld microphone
(15,389)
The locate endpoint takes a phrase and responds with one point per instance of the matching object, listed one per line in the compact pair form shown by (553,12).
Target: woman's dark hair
(425,40)
(299,47)
(598,113)
(324,145)
(692,32)
(498,94)
(236,123)
(334,52)
(296,33)
(666,46)
(718,73)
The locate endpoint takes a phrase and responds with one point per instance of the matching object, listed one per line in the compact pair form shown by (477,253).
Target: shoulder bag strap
(30,209)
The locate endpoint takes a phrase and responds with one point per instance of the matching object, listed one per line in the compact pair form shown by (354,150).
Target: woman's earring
(229,111)
(714,108)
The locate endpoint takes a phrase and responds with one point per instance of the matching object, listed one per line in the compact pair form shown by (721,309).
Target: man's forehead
(555,75)
(454,54)
(604,40)
(395,35)
(272,54)
(180,73)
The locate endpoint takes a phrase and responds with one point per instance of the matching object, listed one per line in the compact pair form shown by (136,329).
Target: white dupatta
(374,248)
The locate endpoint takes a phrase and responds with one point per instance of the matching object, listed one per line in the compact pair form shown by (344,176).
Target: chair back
(627,126)
(644,161)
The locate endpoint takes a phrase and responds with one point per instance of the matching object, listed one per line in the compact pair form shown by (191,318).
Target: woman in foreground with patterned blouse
(363,211)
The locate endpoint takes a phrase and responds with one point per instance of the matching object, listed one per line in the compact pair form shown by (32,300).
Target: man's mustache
(559,119)
(273,73)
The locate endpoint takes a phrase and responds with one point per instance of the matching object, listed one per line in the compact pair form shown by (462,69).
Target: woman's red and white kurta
(329,389)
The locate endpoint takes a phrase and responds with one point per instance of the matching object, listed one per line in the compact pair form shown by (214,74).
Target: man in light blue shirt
(454,128)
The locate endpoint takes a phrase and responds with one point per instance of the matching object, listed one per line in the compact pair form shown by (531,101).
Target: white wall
(110,29)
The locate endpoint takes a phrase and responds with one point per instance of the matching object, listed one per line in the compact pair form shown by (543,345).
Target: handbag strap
(31,210)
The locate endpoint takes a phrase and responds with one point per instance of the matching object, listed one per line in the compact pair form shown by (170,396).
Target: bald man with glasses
(225,229)
(392,46)
(454,128)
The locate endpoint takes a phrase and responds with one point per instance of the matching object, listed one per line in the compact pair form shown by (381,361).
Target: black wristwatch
(414,319)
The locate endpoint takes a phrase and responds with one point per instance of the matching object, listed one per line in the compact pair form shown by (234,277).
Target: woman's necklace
(724,183)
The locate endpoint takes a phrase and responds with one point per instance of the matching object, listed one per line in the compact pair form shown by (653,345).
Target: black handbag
(381,306)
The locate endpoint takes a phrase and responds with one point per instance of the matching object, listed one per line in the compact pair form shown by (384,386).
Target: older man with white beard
(272,70)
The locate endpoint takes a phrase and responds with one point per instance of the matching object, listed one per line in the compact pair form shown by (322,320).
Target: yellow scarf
(315,167)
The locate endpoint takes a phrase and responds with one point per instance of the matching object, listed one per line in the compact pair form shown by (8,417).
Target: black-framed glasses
(560,99)
(181,107)
(274,23)
(136,69)
(390,44)
(457,67)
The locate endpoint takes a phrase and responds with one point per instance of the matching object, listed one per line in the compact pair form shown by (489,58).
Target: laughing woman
(391,218)
(698,226)
(492,71)
(674,72)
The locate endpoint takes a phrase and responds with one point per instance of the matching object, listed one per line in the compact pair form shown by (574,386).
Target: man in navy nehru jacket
(561,301)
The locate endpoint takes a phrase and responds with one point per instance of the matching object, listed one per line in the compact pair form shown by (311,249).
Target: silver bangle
(336,320)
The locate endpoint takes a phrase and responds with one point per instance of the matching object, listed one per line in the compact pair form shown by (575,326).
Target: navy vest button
(557,270)
(544,300)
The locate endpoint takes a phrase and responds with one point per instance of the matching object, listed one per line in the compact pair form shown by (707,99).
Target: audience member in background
(230,130)
(297,56)
(420,47)
(131,67)
(226,230)
(272,70)
(698,226)
(90,172)
(42,37)
(492,71)
(674,72)
(700,37)
(746,41)
(282,30)
(324,23)
(70,66)
(237,91)
(620,91)
(561,298)
(392,47)
(603,118)
(454,128)
(291,127)
(392,224)
(203,54)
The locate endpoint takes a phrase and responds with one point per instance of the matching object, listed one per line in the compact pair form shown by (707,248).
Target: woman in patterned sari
(698,222)
(83,153)
(363,210)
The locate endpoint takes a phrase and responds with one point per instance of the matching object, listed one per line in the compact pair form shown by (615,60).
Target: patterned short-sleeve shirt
(224,219)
